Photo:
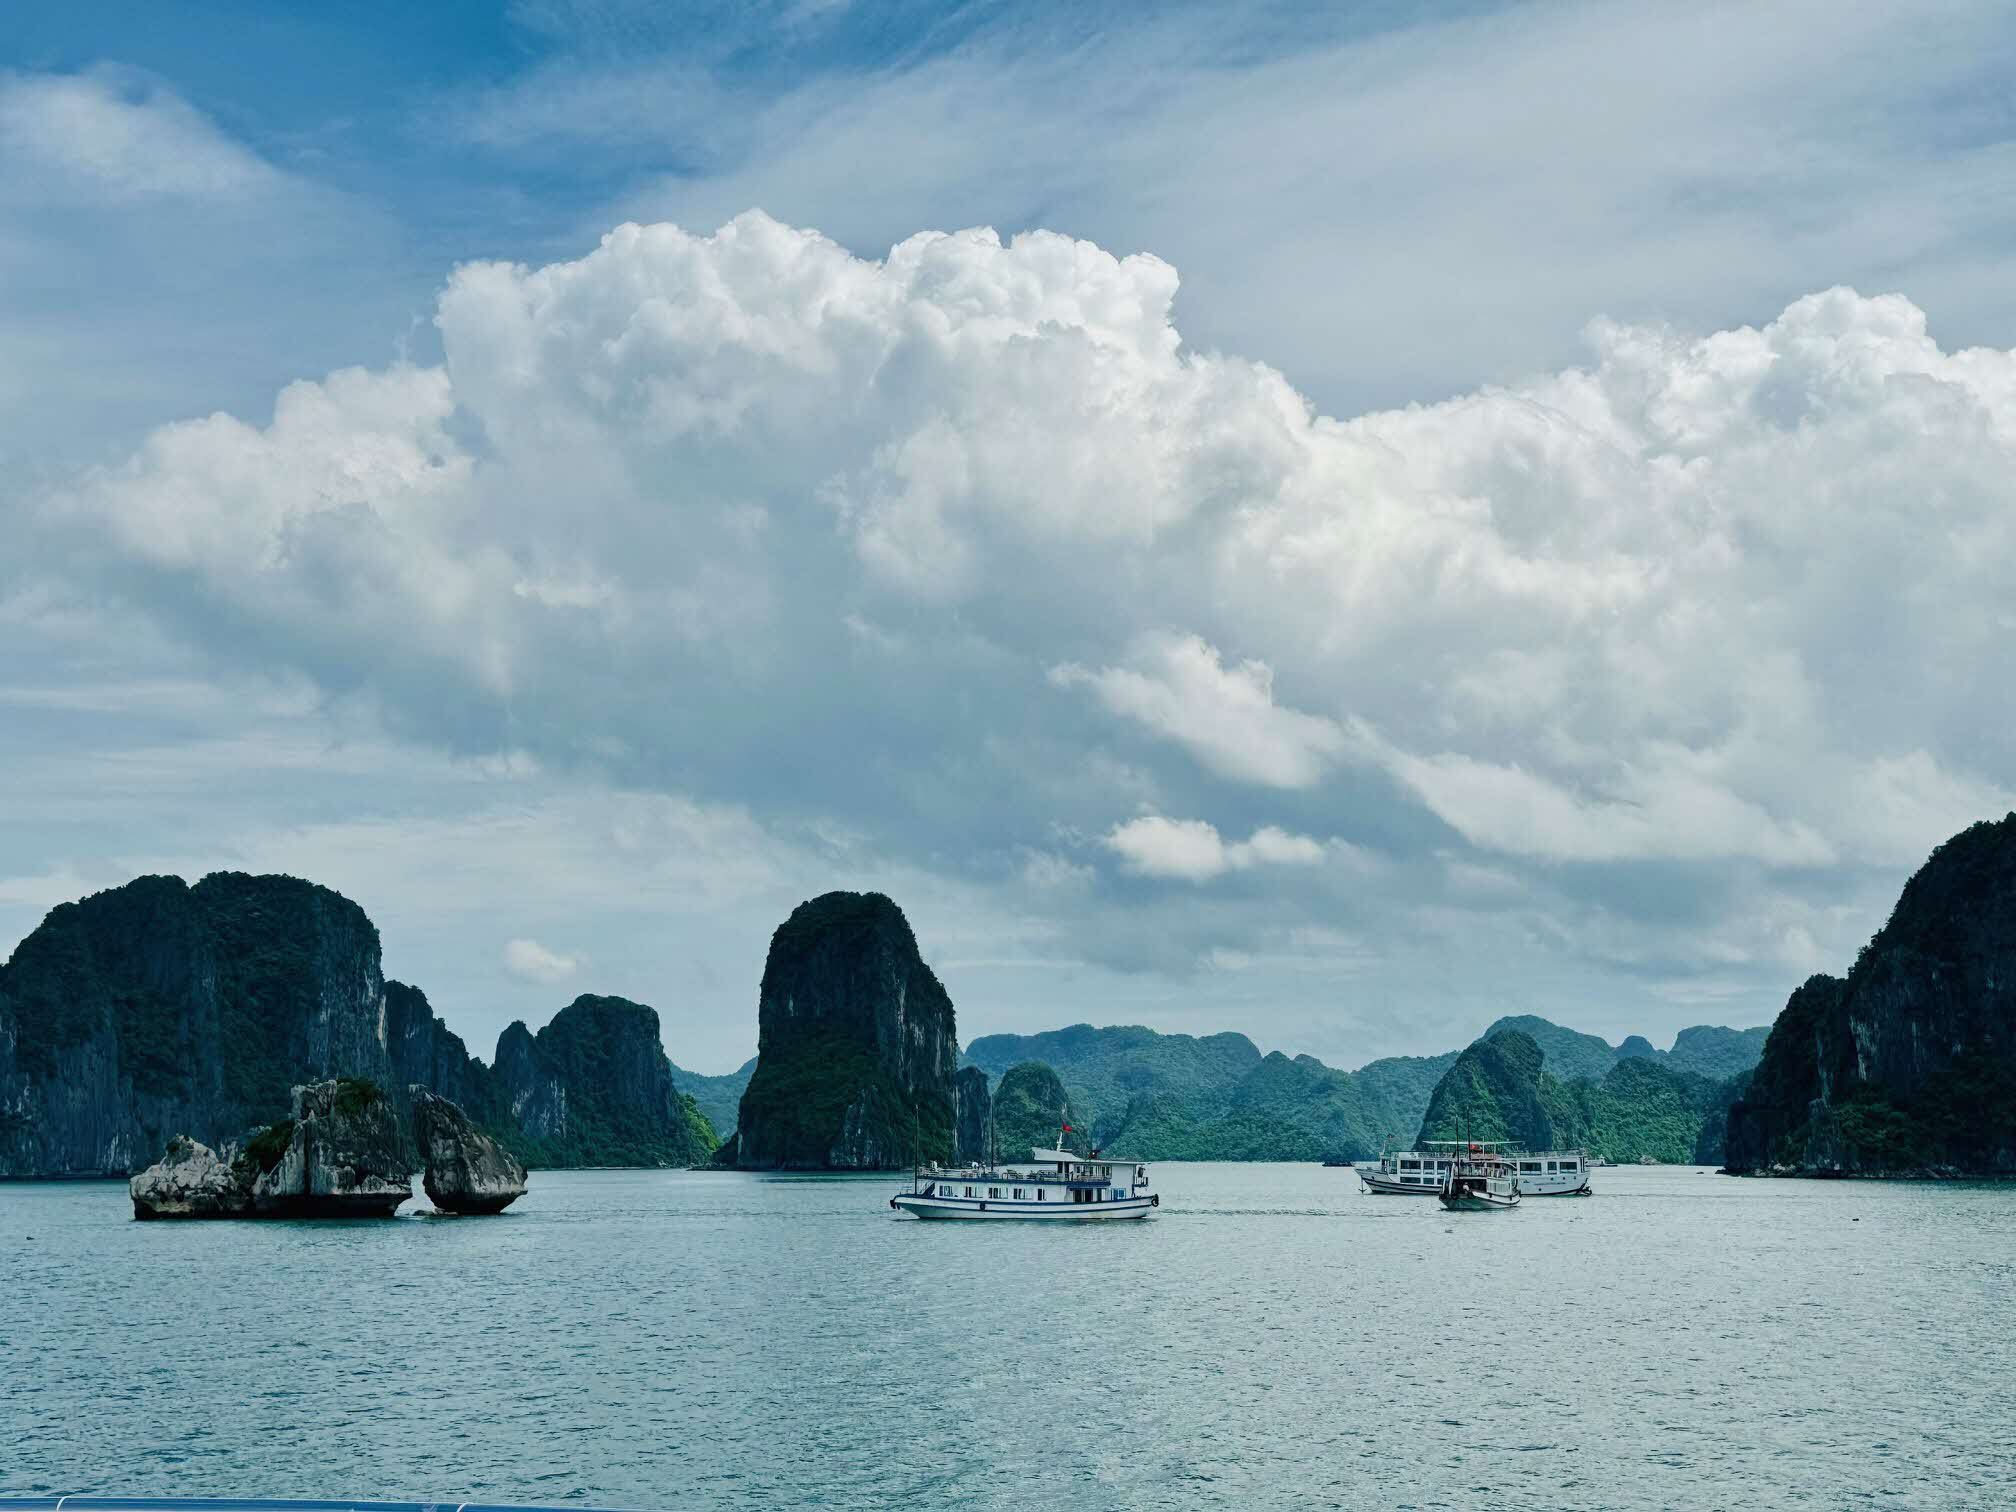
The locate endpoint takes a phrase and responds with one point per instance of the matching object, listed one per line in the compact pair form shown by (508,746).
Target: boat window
(1568,1165)
(993,1191)
(1410,1165)
(969,1191)
(1039,1194)
(1550,1165)
(1019,1194)
(1529,1165)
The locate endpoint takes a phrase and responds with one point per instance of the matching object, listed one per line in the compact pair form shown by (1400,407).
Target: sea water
(1271,1338)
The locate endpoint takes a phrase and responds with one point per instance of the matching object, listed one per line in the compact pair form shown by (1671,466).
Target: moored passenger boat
(1424,1172)
(1057,1186)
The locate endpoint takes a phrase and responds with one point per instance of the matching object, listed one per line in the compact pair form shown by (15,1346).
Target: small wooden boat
(1480,1181)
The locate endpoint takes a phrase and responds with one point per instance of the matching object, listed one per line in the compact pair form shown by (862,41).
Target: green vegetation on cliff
(806,1090)
(1107,1070)
(594,1087)
(1502,1088)
(1029,1108)
(264,1150)
(1570,1054)
(1718,1053)
(1175,1097)
(717,1096)
(170,974)
(1494,1092)
(856,1044)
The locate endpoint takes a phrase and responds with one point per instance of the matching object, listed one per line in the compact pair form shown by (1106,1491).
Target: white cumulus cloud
(965,550)
(1224,716)
(1191,849)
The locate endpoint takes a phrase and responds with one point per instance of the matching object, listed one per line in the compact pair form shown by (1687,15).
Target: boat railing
(925,1179)
(1049,1175)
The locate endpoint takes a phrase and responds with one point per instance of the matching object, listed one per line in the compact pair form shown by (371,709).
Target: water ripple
(1270,1339)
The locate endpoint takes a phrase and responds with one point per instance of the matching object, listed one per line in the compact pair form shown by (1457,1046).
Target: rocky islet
(343,1152)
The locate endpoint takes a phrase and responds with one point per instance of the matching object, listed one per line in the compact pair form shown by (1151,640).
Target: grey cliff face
(158,1009)
(1908,1065)
(971,1116)
(91,1081)
(464,1169)
(594,1087)
(531,1093)
(856,1044)
(421,1050)
(192,1181)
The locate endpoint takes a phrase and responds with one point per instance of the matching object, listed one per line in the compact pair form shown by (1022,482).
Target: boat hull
(1003,1209)
(1475,1202)
(1386,1186)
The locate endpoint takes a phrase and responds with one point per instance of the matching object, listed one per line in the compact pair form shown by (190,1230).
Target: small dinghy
(1480,1180)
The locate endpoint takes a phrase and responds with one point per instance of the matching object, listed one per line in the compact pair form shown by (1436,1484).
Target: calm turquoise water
(1272,1338)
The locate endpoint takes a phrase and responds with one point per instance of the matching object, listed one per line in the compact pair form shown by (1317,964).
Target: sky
(1332,523)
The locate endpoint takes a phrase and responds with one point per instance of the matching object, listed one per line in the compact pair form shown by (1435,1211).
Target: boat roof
(1067,1157)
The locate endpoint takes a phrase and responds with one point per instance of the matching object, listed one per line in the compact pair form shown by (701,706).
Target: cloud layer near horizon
(965,551)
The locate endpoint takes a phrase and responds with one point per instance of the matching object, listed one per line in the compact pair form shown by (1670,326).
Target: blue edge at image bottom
(249,1504)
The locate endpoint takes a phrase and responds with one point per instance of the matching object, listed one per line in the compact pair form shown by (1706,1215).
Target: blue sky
(1411,516)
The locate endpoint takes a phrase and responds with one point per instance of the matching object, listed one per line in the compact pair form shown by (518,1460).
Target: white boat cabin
(1054,1184)
(1540,1173)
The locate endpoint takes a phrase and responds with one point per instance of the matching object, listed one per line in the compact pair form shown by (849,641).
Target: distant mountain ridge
(1217,1097)
(1504,1087)
(718,1096)
(1705,1050)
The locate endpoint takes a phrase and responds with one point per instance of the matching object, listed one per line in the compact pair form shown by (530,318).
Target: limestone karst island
(234,1047)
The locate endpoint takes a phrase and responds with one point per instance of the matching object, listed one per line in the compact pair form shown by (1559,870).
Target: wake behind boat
(1058,1186)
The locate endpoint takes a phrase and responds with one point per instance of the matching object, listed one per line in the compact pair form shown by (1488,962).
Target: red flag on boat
(1067,1128)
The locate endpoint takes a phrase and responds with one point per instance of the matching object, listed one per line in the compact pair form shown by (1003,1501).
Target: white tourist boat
(1424,1172)
(1056,1186)
(1479,1180)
